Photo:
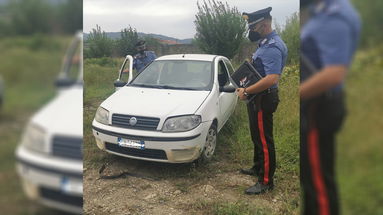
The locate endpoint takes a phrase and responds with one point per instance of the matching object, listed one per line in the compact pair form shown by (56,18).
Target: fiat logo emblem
(133,121)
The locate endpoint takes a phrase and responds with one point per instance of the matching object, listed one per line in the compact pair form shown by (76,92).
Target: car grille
(59,196)
(143,123)
(67,147)
(145,153)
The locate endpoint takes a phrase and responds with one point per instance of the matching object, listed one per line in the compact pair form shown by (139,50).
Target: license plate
(71,186)
(136,144)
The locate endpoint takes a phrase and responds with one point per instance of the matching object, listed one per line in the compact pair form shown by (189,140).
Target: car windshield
(176,74)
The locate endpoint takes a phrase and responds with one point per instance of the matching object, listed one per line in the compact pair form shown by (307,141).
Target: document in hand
(245,76)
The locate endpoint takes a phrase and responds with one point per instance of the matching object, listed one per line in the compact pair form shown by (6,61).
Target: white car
(49,158)
(170,112)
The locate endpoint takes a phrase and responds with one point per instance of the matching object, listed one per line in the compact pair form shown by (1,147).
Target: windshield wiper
(172,87)
(162,87)
(142,85)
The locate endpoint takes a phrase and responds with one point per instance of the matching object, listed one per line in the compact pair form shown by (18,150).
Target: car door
(234,97)
(225,99)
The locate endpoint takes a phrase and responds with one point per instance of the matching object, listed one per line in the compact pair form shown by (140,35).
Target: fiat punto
(170,112)
(49,157)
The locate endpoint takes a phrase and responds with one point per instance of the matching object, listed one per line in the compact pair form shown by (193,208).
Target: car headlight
(102,116)
(181,123)
(34,138)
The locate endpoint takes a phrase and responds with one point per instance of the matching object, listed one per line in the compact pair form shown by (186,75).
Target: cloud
(168,17)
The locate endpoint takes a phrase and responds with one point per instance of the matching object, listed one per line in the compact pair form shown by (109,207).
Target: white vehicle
(49,158)
(170,112)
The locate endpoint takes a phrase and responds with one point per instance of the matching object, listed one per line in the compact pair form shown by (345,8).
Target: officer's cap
(257,16)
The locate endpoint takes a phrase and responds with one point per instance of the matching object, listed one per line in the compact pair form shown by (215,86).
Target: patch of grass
(29,66)
(228,208)
(183,186)
(239,208)
(359,148)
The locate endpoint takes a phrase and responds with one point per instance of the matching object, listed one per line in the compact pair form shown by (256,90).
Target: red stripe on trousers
(313,147)
(264,146)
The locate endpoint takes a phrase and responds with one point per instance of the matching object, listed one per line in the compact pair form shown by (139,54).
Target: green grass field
(360,143)
(234,148)
(29,67)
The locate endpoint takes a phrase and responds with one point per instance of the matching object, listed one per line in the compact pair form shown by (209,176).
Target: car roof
(199,57)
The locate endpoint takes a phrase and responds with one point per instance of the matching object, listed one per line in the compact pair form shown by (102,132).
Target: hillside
(116,35)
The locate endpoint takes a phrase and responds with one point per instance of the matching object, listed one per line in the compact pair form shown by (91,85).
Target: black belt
(269,90)
(265,92)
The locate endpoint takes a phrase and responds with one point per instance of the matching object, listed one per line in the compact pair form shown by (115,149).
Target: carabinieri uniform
(269,58)
(142,60)
(328,38)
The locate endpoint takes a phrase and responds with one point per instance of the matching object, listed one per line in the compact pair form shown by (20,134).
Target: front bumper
(55,182)
(177,147)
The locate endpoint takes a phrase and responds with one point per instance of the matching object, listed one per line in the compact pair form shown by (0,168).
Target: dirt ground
(216,188)
(177,189)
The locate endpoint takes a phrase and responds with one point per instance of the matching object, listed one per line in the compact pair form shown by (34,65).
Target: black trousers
(321,119)
(260,111)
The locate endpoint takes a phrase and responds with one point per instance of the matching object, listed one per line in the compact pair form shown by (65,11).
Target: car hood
(154,102)
(63,114)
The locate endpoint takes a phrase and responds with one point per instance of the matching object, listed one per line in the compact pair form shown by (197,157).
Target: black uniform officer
(328,42)
(269,60)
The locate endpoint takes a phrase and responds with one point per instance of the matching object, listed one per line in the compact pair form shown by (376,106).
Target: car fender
(209,108)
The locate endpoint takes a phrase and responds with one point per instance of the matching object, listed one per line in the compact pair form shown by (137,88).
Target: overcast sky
(173,18)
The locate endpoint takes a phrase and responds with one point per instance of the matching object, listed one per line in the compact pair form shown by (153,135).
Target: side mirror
(118,84)
(227,89)
(64,82)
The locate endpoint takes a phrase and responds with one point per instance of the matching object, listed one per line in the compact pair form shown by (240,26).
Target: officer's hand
(126,71)
(240,93)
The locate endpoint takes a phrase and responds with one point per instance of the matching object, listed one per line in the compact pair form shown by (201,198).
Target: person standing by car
(328,42)
(269,60)
(143,57)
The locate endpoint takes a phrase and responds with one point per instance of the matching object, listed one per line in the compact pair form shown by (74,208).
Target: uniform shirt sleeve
(272,61)
(152,56)
(334,43)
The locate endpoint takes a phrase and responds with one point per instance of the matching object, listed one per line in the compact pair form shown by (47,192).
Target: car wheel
(210,144)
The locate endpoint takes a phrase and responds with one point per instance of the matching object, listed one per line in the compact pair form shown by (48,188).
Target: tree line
(28,17)
(220,30)
(372,26)
(98,44)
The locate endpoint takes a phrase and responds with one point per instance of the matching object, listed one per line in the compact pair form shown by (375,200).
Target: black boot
(258,188)
(251,171)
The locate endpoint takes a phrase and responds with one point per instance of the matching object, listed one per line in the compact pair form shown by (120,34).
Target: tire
(210,145)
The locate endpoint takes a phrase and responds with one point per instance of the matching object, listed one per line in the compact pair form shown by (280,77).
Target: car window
(229,66)
(72,64)
(177,74)
(223,78)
